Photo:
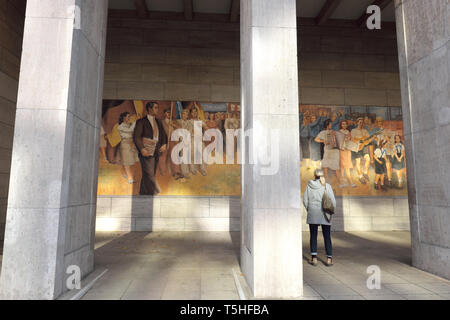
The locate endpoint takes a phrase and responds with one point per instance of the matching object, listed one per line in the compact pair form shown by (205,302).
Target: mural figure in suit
(151,140)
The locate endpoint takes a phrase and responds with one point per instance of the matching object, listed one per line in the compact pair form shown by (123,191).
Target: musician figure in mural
(331,153)
(150,140)
(361,136)
(127,149)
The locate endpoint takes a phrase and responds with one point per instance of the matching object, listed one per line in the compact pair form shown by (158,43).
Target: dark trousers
(148,182)
(326,230)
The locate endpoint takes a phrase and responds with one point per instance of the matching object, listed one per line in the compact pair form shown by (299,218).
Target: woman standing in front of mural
(312,200)
(127,149)
(398,160)
(331,154)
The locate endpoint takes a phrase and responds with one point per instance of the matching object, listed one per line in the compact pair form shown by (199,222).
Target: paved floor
(167,265)
(198,265)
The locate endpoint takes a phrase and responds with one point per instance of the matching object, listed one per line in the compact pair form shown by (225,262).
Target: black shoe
(383,187)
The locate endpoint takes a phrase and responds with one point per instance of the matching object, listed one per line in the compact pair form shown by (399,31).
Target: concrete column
(423,32)
(271,249)
(52,194)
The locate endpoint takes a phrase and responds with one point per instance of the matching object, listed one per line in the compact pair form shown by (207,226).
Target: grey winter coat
(312,200)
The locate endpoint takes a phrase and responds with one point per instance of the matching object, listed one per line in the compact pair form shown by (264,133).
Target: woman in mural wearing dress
(398,160)
(345,158)
(127,149)
(331,154)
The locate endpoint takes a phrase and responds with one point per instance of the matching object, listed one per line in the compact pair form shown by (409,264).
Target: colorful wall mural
(122,170)
(360,148)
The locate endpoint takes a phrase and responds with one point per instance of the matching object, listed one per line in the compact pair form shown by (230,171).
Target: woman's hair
(340,125)
(326,124)
(123,116)
(399,138)
(319,175)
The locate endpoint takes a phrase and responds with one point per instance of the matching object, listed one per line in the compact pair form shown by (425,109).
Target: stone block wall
(165,213)
(12,16)
(424,43)
(339,64)
(164,60)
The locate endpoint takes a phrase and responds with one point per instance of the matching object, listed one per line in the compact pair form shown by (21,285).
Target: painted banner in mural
(126,124)
(360,149)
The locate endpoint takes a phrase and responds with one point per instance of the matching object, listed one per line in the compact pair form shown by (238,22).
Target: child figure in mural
(127,149)
(380,165)
(387,136)
(398,160)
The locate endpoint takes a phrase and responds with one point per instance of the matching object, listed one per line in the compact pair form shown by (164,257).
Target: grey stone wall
(344,65)
(12,16)
(339,64)
(180,213)
(424,55)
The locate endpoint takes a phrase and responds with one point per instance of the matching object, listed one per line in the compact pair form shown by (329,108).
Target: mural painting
(127,126)
(360,149)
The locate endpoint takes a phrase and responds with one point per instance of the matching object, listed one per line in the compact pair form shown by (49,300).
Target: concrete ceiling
(348,9)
